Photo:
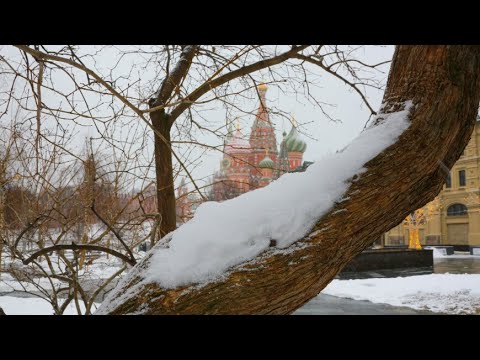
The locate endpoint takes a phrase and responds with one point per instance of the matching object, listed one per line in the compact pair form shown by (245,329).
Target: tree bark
(444,84)
(164,173)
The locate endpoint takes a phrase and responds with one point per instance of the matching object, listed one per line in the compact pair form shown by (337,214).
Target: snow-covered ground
(9,284)
(33,306)
(443,293)
(90,277)
(101,269)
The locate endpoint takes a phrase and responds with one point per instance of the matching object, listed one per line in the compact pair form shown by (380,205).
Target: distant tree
(44,199)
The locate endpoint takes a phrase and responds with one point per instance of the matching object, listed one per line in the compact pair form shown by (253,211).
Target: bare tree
(186,79)
(145,134)
(59,215)
(443,82)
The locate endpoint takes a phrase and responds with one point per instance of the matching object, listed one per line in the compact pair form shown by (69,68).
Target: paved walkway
(332,305)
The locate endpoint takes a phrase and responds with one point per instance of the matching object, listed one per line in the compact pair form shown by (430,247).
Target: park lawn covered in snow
(443,293)
(101,269)
(224,234)
(34,306)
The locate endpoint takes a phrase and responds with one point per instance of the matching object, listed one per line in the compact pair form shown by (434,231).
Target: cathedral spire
(262,90)
(294,122)
(182,189)
(262,118)
(230,131)
(262,135)
(229,136)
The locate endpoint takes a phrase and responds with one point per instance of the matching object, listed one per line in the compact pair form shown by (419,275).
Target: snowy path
(442,293)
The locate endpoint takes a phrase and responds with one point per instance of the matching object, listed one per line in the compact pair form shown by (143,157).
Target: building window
(448,182)
(457,210)
(462,178)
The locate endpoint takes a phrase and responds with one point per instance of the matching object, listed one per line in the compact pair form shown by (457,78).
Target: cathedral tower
(262,136)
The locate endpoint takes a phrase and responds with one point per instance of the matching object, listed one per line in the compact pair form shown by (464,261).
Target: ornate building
(254,163)
(453,218)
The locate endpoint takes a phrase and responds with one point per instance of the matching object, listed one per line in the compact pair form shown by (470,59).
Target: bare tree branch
(74,246)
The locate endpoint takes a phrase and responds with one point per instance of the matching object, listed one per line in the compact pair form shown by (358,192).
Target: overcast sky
(321,134)
(326,135)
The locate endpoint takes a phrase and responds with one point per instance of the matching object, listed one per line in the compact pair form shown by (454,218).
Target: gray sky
(328,136)
(321,134)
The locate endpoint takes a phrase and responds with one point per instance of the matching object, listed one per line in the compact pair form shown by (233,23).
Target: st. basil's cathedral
(254,163)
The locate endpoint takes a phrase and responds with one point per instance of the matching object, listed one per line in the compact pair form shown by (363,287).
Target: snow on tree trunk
(443,84)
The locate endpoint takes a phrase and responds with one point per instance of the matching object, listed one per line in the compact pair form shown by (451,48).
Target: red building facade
(254,163)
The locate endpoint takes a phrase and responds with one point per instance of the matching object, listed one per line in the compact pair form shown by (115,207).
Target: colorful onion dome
(266,163)
(293,141)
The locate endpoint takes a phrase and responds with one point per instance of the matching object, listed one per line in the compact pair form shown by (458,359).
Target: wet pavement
(457,264)
(390,273)
(332,305)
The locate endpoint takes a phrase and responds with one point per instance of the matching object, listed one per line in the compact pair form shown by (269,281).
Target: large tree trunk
(444,84)
(164,173)
(162,123)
